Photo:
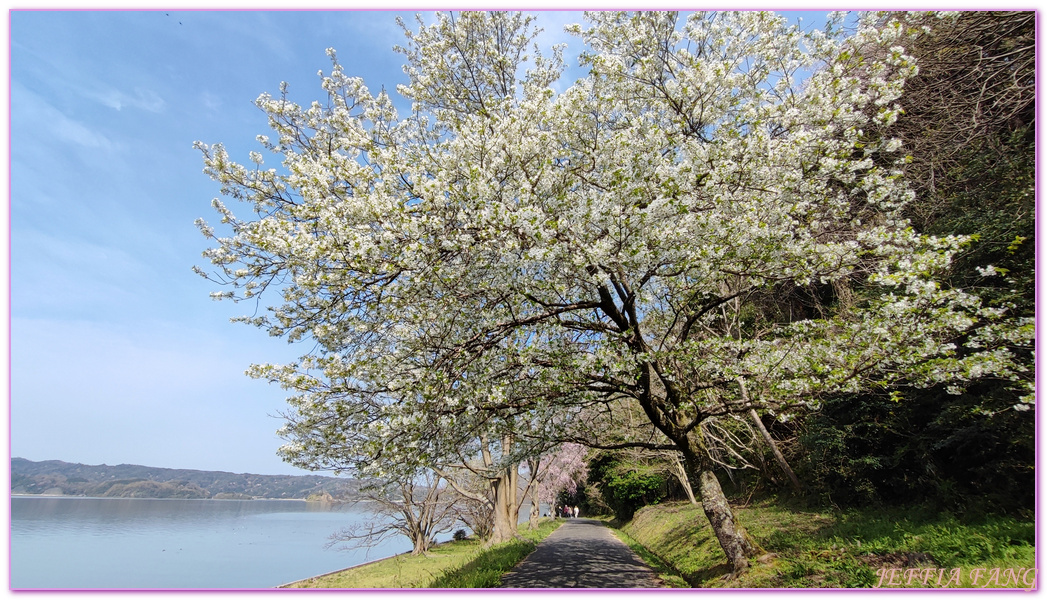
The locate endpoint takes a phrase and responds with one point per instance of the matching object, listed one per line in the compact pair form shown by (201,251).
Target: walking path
(582,553)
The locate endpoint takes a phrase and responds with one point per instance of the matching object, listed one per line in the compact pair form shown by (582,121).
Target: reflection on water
(187,544)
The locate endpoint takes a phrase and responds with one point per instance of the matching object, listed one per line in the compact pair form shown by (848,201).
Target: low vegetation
(855,548)
(455,564)
(666,572)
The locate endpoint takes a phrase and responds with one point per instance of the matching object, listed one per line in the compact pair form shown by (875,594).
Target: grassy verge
(666,572)
(459,564)
(866,548)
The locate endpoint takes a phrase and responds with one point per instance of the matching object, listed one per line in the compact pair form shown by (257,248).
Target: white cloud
(81,255)
(82,82)
(211,102)
(65,273)
(32,111)
(146,100)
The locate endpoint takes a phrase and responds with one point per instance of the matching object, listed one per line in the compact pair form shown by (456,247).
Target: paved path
(582,553)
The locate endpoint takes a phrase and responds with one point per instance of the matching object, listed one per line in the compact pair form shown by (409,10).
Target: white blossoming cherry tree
(505,257)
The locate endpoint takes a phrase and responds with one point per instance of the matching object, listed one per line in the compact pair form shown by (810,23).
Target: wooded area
(57,477)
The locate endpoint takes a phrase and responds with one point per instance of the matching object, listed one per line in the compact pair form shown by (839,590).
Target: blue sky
(117,353)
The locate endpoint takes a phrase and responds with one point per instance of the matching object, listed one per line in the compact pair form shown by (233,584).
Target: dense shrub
(624,486)
(954,452)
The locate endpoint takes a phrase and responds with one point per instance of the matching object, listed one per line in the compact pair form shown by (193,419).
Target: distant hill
(54,477)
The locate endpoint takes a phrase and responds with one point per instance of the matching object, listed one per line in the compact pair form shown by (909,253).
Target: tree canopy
(505,258)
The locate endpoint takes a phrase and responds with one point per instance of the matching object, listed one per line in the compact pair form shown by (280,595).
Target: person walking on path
(582,553)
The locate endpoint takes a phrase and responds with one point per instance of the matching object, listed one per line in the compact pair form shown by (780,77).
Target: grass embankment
(858,548)
(461,564)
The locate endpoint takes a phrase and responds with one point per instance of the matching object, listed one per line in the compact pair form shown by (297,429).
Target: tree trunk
(734,540)
(506,510)
(533,466)
(421,543)
(532,519)
(769,440)
(681,475)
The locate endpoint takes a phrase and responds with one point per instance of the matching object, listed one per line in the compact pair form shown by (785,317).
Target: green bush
(957,453)
(625,487)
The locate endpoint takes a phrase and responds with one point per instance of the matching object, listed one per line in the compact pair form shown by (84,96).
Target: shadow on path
(582,553)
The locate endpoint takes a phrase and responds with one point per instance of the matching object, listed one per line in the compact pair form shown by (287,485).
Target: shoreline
(449,563)
(363,564)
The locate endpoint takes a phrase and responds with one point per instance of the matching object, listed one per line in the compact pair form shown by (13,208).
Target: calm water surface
(114,543)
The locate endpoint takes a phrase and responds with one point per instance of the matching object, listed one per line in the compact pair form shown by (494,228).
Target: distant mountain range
(54,477)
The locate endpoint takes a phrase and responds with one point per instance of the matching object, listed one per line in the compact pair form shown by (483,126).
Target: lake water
(115,543)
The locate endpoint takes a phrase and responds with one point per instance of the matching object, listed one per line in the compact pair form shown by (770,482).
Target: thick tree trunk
(734,540)
(778,456)
(506,510)
(421,543)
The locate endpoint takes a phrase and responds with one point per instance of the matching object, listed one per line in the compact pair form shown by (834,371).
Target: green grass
(486,570)
(848,549)
(670,576)
(461,564)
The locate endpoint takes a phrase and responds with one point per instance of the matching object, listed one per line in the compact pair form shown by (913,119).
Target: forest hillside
(55,477)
